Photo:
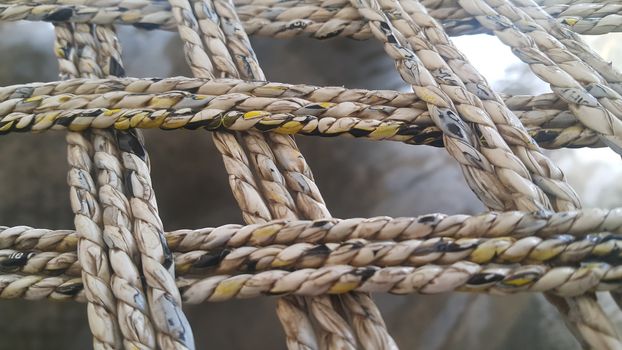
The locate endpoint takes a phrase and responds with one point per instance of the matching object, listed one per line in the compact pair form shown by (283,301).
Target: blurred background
(358,178)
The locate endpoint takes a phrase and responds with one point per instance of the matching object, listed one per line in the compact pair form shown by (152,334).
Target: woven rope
(319,19)
(120,261)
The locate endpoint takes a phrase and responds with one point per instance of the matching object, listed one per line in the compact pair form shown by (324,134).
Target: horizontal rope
(276,19)
(339,279)
(216,87)
(548,118)
(487,225)
(558,250)
(531,114)
(282,123)
(219,120)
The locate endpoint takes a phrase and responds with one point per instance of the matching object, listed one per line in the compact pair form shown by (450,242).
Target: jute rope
(126,284)
(585,328)
(355,252)
(338,279)
(319,19)
(92,250)
(214,39)
(120,261)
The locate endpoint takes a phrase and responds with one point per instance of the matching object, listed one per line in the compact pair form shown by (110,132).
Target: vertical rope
(583,314)
(170,324)
(132,309)
(550,185)
(371,331)
(241,179)
(92,251)
(126,283)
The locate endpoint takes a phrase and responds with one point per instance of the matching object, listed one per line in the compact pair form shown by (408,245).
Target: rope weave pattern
(134,276)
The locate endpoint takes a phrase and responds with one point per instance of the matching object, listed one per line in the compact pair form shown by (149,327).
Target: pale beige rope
(553,128)
(458,136)
(171,327)
(226,143)
(279,20)
(213,38)
(597,83)
(580,320)
(173,330)
(87,63)
(262,157)
(610,77)
(544,173)
(299,179)
(109,51)
(241,179)
(583,18)
(188,28)
(132,305)
(126,284)
(561,250)
(65,50)
(91,247)
(586,326)
(463,276)
(391,38)
(271,183)
(511,225)
(92,251)
(264,89)
(585,107)
(184,103)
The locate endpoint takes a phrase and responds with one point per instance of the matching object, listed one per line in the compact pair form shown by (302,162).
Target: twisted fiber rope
(591,19)
(256,143)
(241,178)
(278,202)
(173,330)
(511,225)
(606,84)
(539,116)
(315,18)
(339,279)
(593,334)
(188,102)
(65,50)
(593,330)
(597,89)
(546,174)
(587,326)
(215,87)
(125,281)
(163,298)
(324,19)
(132,305)
(89,64)
(607,77)
(585,104)
(458,136)
(581,10)
(248,195)
(137,332)
(561,131)
(92,250)
(558,250)
(549,121)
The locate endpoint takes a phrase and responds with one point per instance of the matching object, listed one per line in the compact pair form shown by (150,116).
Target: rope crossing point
(134,276)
